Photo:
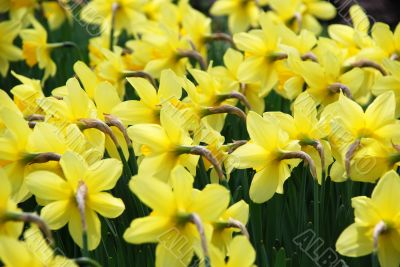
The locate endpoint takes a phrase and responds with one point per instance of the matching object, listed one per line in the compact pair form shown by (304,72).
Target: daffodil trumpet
(235,95)
(220,36)
(195,55)
(224,109)
(30,218)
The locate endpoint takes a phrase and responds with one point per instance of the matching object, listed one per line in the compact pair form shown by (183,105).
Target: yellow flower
(33,252)
(56,13)
(387,41)
(305,127)
(242,254)
(62,195)
(161,145)
(241,14)
(27,95)
(390,82)
(8,228)
(8,52)
(377,224)
(262,52)
(326,79)
(147,109)
(170,219)
(100,12)
(264,153)
(222,236)
(36,50)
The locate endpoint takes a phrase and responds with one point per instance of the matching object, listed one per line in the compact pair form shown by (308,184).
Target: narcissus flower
(8,52)
(377,224)
(36,50)
(241,254)
(81,181)
(125,13)
(8,228)
(170,219)
(33,252)
(242,14)
(266,155)
(161,145)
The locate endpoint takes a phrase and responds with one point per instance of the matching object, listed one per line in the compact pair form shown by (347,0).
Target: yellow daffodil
(36,50)
(387,41)
(242,254)
(241,14)
(27,95)
(161,145)
(265,154)
(8,52)
(262,51)
(222,235)
(124,12)
(8,228)
(325,80)
(62,195)
(308,129)
(57,13)
(170,219)
(33,252)
(229,76)
(390,82)
(147,109)
(376,227)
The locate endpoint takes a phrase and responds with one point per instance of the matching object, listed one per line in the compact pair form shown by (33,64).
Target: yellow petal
(87,77)
(170,87)
(241,253)
(182,183)
(264,184)
(211,202)
(135,112)
(355,241)
(381,111)
(93,228)
(145,91)
(103,175)
(105,204)
(385,194)
(106,98)
(148,229)
(383,36)
(74,167)
(57,214)
(154,193)
(47,185)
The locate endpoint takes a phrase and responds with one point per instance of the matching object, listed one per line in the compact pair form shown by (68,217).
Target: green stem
(316,207)
(256,223)
(84,261)
(85,248)
(132,160)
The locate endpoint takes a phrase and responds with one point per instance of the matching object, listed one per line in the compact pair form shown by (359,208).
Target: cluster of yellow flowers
(68,150)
